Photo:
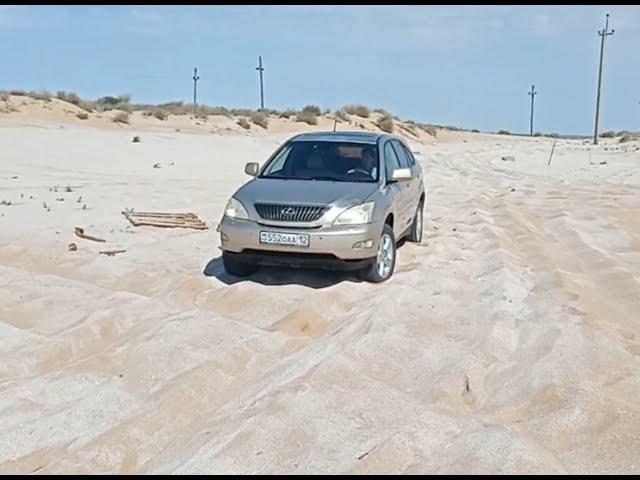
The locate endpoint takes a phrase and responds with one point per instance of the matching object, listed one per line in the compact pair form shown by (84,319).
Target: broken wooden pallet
(164,219)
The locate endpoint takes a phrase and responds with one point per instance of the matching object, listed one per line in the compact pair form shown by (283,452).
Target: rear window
(325,161)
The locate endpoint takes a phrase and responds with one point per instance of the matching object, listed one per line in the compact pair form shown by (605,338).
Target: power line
(603,34)
(532,93)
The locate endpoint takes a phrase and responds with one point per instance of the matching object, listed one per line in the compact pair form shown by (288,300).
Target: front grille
(290,213)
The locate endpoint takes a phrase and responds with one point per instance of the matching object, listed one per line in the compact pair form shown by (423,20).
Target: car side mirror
(401,175)
(251,168)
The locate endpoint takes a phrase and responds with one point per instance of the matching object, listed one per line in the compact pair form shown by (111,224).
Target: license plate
(288,239)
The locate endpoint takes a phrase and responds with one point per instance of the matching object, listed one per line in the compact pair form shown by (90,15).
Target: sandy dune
(507,342)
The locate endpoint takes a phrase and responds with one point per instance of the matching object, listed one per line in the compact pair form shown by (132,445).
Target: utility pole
(261,69)
(195,86)
(603,34)
(532,93)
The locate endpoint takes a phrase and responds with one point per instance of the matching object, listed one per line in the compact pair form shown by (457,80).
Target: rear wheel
(415,234)
(235,266)
(382,267)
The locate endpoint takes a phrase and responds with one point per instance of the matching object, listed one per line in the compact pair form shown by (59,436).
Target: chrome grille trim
(290,213)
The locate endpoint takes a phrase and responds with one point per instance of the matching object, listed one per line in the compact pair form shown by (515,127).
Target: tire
(415,234)
(376,273)
(236,267)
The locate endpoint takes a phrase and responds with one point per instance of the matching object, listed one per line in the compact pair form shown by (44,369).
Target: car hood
(304,192)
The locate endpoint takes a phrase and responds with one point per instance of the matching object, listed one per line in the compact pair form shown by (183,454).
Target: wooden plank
(80,233)
(111,253)
(551,156)
(137,222)
(172,225)
(167,220)
(161,214)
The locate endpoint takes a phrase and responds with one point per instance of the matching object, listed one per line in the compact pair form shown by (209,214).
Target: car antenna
(335,122)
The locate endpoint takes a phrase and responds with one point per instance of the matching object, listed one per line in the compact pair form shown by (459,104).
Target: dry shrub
(160,115)
(359,110)
(629,137)
(41,95)
(428,129)
(342,115)
(287,114)
(385,123)
(69,97)
(260,119)
(307,117)
(312,110)
(121,117)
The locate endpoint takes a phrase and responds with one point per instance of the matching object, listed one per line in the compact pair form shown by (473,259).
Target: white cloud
(478,22)
(385,27)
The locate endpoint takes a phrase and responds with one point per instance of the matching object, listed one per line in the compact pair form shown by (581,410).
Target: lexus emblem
(288,212)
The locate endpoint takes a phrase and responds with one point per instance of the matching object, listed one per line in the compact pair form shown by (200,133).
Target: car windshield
(325,161)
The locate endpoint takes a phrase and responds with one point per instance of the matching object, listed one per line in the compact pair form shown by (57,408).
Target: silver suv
(326,200)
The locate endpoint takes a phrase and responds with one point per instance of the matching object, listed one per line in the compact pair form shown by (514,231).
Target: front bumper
(322,261)
(238,236)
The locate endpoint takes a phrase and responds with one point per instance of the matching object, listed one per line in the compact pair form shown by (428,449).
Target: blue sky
(469,66)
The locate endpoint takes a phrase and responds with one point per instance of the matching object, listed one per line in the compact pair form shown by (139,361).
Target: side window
(391,161)
(405,162)
(412,159)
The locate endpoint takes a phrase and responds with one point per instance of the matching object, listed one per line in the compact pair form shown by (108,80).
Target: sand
(507,342)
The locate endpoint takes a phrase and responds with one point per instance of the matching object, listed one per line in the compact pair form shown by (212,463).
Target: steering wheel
(358,170)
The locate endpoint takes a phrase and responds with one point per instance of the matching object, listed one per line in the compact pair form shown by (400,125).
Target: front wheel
(382,267)
(236,267)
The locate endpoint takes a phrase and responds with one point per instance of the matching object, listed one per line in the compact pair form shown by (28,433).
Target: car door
(416,168)
(399,190)
(410,187)
(415,189)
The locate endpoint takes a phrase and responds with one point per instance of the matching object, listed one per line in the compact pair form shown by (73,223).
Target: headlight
(235,209)
(356,215)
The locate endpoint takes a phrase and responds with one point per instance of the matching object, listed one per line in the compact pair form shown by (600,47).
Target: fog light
(363,244)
